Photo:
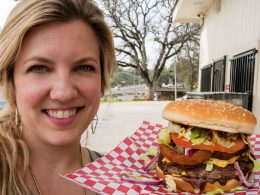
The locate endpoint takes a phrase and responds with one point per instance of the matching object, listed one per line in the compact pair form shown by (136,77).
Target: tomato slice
(239,145)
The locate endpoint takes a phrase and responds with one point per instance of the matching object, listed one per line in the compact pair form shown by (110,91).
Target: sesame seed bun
(185,186)
(215,115)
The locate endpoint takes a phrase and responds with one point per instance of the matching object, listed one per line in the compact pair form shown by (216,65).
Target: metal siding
(235,29)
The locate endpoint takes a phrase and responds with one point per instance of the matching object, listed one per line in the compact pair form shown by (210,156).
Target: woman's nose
(63,89)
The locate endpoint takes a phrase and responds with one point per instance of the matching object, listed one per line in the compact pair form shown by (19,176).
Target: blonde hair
(26,16)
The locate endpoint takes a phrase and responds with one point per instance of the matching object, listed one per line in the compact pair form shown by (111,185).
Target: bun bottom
(185,186)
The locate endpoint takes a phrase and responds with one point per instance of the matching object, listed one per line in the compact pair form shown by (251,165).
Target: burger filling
(199,155)
(199,136)
(198,175)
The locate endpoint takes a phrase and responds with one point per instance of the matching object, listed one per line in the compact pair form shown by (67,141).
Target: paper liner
(103,175)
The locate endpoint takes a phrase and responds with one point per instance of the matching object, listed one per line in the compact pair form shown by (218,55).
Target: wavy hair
(26,16)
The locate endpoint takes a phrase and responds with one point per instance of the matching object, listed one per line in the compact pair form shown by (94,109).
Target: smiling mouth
(62,114)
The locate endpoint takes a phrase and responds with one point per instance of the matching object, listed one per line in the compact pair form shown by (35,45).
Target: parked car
(191,96)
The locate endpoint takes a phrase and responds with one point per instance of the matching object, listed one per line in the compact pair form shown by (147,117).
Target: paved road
(121,119)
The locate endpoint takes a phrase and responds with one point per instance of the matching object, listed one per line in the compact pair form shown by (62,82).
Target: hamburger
(206,147)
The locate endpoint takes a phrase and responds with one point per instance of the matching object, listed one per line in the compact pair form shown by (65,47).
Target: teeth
(61,114)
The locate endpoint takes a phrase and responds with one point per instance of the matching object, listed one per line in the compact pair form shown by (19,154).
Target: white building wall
(233,30)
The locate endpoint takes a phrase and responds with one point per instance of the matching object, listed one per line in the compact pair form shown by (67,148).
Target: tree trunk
(151,91)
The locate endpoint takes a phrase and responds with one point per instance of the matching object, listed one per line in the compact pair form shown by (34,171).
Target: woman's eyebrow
(87,59)
(38,58)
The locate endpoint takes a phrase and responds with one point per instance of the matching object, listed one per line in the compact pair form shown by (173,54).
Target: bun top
(210,114)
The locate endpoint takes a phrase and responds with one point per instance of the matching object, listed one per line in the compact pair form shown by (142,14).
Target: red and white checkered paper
(103,175)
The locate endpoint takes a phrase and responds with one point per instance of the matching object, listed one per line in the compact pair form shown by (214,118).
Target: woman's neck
(60,158)
(47,167)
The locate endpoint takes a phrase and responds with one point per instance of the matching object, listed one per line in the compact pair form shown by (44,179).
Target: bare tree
(188,64)
(146,37)
(193,59)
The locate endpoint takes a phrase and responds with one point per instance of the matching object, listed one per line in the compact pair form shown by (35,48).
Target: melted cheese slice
(222,163)
(165,160)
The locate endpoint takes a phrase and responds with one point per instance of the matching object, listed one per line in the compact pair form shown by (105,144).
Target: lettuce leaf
(152,150)
(217,191)
(198,136)
(256,164)
(170,183)
(164,136)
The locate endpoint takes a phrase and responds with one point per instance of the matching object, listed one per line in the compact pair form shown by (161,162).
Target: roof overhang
(193,10)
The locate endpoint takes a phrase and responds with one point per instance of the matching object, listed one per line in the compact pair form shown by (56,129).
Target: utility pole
(134,84)
(175,81)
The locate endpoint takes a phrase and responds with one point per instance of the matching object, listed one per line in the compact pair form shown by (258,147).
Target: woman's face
(57,79)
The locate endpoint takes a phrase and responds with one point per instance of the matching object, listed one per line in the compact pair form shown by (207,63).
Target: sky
(5,7)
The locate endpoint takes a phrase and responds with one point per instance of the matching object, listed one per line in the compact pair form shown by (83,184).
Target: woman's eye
(86,68)
(38,68)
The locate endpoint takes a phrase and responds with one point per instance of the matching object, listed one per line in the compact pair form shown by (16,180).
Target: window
(218,80)
(205,82)
(242,73)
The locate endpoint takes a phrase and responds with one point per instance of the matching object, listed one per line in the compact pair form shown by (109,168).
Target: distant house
(230,41)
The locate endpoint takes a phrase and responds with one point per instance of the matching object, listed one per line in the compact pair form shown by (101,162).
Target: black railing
(205,82)
(242,73)
(218,80)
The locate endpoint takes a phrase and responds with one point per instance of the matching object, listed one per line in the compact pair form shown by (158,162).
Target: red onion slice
(140,180)
(242,178)
(189,128)
(188,151)
(147,166)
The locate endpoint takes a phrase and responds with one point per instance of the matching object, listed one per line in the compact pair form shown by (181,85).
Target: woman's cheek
(93,88)
(32,93)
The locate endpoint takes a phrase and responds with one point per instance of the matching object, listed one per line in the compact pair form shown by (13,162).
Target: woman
(56,57)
